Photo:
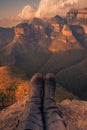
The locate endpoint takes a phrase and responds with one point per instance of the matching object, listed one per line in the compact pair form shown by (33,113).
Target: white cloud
(28,12)
(49,8)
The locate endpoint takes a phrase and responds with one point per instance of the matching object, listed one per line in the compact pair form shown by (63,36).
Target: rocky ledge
(75,114)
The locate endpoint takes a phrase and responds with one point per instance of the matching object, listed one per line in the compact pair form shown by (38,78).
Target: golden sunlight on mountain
(18,31)
(85,28)
(56,27)
(66,31)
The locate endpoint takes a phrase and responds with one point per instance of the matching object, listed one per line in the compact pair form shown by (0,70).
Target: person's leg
(52,116)
(32,118)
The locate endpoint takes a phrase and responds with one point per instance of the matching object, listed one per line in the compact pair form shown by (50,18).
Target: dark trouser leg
(52,116)
(32,117)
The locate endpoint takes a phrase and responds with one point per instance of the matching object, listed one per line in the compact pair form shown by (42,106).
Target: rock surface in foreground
(75,113)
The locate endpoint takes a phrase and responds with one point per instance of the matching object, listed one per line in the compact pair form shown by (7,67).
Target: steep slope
(61,60)
(6,36)
(74,112)
(74,79)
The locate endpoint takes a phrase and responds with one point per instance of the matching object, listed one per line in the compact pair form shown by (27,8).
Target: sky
(10,10)
(13,7)
(14,11)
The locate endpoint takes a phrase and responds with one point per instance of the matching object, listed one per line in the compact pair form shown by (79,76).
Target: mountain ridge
(47,45)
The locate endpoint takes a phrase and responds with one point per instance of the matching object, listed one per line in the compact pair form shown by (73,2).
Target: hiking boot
(36,86)
(53,117)
(49,86)
(32,117)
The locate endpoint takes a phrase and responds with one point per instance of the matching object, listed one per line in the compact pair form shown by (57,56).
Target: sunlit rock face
(6,35)
(66,31)
(53,34)
(64,40)
(18,31)
(22,33)
(85,28)
(77,14)
(82,13)
(32,34)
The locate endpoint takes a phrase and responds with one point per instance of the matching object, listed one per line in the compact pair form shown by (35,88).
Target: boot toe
(37,78)
(50,75)
(50,79)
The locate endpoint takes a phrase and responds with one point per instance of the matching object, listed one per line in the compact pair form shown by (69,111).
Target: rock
(77,14)
(75,113)
(66,31)
(82,14)
(85,28)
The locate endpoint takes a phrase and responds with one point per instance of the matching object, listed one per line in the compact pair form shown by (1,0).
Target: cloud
(49,8)
(28,12)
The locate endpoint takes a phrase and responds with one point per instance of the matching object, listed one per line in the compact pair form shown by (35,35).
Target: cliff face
(82,14)
(74,113)
(31,34)
(84,28)
(77,13)
(19,32)
(64,40)
(54,34)
(66,31)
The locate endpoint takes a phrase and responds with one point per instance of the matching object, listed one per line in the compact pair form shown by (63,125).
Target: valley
(57,45)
